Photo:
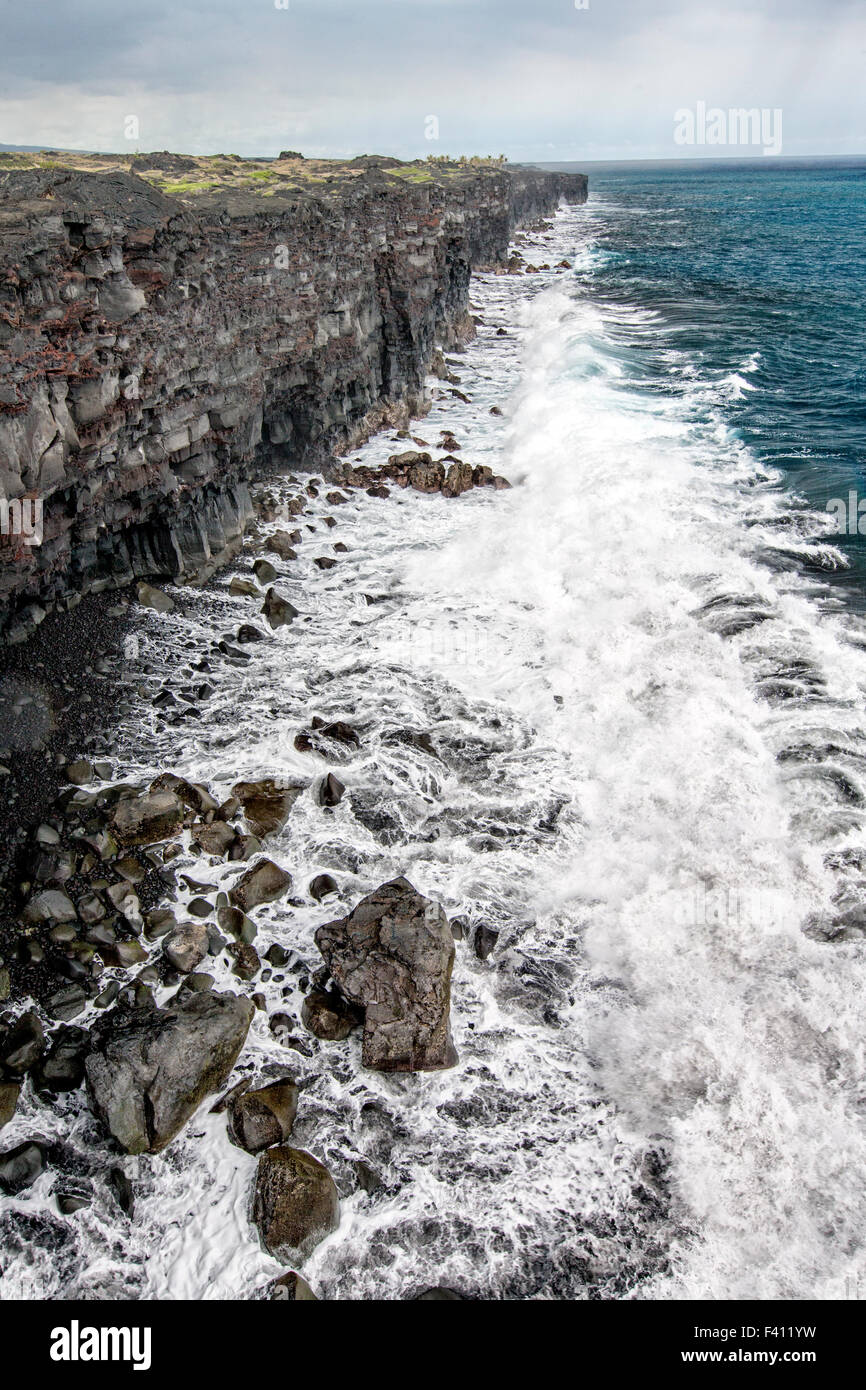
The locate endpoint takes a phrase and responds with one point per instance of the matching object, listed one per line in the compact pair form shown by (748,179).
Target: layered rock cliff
(157,352)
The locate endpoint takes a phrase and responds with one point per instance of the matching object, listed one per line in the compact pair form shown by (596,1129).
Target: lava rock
(328,1015)
(21,1045)
(265,882)
(267,803)
(393,957)
(21,1166)
(258,1119)
(187,946)
(146,819)
(295,1202)
(149,1069)
(62,1066)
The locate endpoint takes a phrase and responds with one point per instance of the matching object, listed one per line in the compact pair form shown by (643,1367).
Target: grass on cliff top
(188,177)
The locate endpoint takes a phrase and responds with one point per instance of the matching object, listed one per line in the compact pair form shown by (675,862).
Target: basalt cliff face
(158,353)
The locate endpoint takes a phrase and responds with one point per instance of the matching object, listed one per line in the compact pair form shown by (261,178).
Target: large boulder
(393,957)
(295,1203)
(149,1069)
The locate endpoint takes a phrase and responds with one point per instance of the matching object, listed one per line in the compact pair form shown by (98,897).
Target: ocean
(642,674)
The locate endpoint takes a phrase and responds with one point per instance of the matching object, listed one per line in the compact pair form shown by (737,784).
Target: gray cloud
(539,79)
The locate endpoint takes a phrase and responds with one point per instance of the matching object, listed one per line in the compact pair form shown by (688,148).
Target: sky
(535,80)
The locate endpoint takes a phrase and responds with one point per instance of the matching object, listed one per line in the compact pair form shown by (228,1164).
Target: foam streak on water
(649,735)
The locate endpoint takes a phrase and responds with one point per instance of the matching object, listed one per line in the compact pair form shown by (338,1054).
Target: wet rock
(66,1004)
(68,1203)
(244,588)
(324,562)
(192,794)
(247,633)
(267,803)
(21,1045)
(277,609)
(187,946)
(123,1191)
(331,791)
(149,1069)
(295,1203)
(50,906)
(458,479)
(282,544)
(61,1068)
(79,773)
(484,941)
(258,1119)
(393,957)
(246,960)
(439,1295)
(265,882)
(146,819)
(149,597)
(368,1179)
(322,885)
(291,1288)
(265,572)
(215,839)
(9,1093)
(329,1016)
(21,1166)
(428,476)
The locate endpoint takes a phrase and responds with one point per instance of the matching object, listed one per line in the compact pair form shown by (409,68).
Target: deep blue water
(759,272)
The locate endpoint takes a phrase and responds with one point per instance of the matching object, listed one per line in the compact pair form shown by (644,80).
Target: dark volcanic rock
(9,1093)
(329,1016)
(143,820)
(267,803)
(21,1045)
(259,1119)
(21,1166)
(393,957)
(149,1069)
(263,883)
(295,1203)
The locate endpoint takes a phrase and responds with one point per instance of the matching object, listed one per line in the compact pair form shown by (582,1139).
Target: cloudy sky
(533,79)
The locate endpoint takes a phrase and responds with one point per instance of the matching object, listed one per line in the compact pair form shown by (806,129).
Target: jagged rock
(187,946)
(9,1093)
(267,803)
(265,882)
(329,1016)
(21,1166)
(192,794)
(324,562)
(458,479)
(21,1045)
(281,543)
(427,476)
(291,1288)
(278,611)
(295,1203)
(258,1119)
(484,941)
(149,1069)
(123,1191)
(146,819)
(246,960)
(61,1068)
(393,956)
(331,791)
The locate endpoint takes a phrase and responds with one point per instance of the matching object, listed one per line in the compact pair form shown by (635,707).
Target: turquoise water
(759,276)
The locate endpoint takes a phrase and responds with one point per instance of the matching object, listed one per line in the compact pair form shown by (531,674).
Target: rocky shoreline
(158,351)
(93,933)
